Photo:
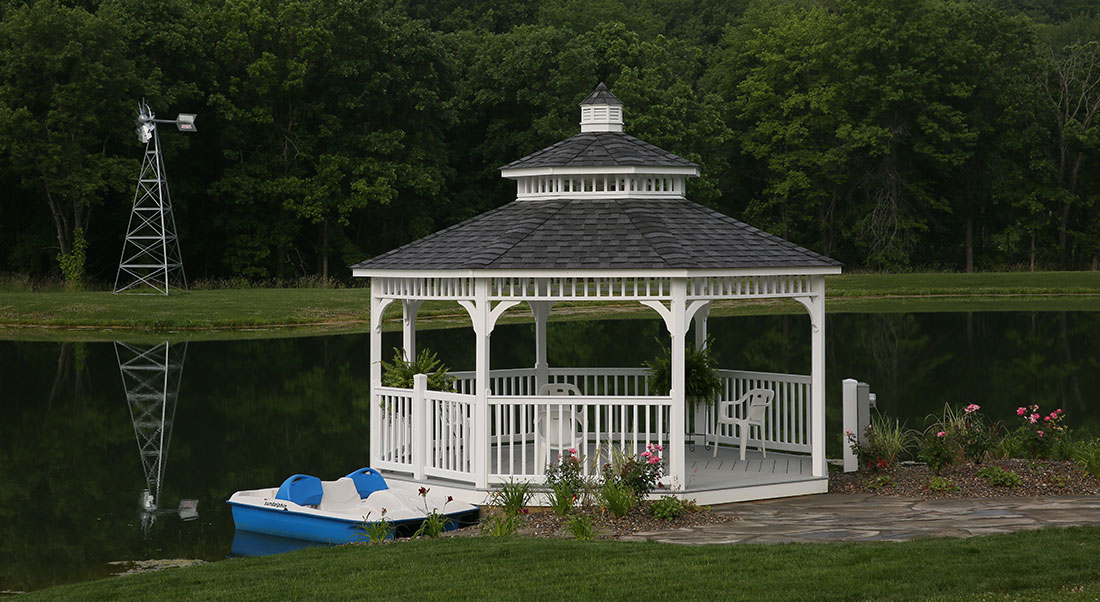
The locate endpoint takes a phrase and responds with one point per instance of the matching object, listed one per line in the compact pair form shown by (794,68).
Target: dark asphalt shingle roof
(598,234)
(601,149)
(601,96)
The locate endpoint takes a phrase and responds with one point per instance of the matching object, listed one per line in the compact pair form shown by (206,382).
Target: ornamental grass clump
(375,531)
(437,522)
(1087,456)
(582,528)
(513,497)
(618,498)
(884,442)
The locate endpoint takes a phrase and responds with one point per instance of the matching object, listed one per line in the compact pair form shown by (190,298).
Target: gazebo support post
(815,305)
(409,308)
(677,324)
(377,307)
(541,312)
(699,414)
(479,314)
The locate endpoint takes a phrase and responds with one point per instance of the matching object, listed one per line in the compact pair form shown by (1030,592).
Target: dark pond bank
(249,413)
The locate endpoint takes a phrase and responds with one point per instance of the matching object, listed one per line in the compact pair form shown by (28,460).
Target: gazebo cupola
(601,162)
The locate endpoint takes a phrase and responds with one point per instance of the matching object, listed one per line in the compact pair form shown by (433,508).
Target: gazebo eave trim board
(577,170)
(825,270)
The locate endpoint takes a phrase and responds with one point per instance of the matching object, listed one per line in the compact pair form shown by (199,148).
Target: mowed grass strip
(1045,564)
(229,309)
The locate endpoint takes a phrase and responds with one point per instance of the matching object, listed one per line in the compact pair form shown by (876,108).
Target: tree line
(889,134)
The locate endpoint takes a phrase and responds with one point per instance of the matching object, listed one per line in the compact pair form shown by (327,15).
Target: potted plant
(400,373)
(701,382)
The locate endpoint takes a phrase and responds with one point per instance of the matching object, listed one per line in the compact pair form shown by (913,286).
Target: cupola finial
(601,111)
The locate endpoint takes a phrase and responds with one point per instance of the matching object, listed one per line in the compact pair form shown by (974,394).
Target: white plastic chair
(555,427)
(756,402)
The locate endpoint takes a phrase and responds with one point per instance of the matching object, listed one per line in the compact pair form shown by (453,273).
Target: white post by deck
(482,331)
(699,412)
(419,425)
(677,464)
(817,375)
(851,423)
(376,309)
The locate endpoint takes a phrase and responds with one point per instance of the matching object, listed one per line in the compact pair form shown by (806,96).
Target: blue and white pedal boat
(306,508)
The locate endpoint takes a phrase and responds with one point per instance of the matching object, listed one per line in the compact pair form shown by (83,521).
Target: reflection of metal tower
(151,375)
(151,257)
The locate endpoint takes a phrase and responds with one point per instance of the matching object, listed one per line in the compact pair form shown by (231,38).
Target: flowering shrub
(1039,433)
(566,482)
(639,473)
(967,433)
(937,451)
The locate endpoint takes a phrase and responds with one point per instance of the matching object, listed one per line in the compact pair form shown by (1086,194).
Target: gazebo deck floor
(710,479)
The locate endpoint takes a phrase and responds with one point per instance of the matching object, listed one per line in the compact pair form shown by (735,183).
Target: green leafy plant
(941,484)
(667,508)
(72,263)
(582,527)
(399,374)
(513,497)
(436,522)
(501,524)
(1087,456)
(375,531)
(701,382)
(999,477)
(618,498)
(561,498)
(881,481)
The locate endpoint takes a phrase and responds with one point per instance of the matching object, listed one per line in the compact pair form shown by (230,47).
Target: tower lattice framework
(151,376)
(151,257)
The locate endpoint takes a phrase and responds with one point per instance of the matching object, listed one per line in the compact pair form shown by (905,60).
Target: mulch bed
(1037,478)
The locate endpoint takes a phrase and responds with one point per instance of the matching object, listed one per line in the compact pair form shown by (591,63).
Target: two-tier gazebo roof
(600,216)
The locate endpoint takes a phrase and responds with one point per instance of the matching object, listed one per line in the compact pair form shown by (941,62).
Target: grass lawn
(257,313)
(1033,565)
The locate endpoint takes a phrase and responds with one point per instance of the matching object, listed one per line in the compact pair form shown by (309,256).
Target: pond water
(249,413)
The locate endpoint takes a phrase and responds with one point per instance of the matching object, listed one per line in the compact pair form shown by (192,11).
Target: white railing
(395,432)
(787,422)
(528,433)
(590,381)
(434,433)
(450,429)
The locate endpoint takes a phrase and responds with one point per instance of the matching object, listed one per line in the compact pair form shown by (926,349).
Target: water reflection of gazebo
(601,216)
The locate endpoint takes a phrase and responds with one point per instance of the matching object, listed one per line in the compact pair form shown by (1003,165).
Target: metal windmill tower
(151,376)
(151,257)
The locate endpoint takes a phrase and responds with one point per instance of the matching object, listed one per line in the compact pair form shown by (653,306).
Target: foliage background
(941,134)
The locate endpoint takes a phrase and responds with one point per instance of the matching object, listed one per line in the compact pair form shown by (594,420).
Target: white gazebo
(601,216)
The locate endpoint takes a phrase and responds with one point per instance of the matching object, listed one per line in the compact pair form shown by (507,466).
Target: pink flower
(1040,433)
(1033,418)
(1058,411)
(654,460)
(940,434)
(1021,411)
(1047,418)
(972,408)
(646,454)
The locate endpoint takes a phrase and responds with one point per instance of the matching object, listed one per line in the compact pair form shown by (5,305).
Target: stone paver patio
(861,517)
